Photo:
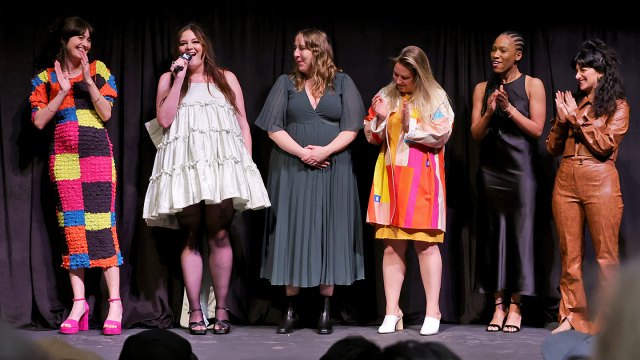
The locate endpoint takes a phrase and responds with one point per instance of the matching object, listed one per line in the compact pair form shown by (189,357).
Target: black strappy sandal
(505,327)
(503,320)
(193,324)
(224,326)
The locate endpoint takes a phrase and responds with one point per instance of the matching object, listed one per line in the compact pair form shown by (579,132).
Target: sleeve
(105,82)
(273,116)
(434,133)
(352,106)
(557,137)
(39,96)
(376,133)
(602,141)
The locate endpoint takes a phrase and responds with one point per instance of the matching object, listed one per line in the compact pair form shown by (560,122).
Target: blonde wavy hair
(427,94)
(323,68)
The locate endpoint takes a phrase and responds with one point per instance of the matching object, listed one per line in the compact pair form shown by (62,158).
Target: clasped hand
(498,97)
(316,156)
(565,104)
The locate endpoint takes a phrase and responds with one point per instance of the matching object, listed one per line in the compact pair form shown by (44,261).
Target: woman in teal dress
(313,234)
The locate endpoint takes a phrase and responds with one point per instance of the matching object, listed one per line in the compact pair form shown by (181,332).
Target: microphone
(186,56)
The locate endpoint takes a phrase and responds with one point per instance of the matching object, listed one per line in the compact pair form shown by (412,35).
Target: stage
(470,342)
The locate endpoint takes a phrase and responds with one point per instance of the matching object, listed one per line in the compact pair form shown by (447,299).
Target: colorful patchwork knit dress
(408,196)
(82,169)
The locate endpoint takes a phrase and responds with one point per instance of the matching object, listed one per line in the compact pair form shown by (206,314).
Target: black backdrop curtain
(256,44)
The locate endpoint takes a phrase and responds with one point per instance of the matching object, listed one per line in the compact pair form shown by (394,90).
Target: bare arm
(102,106)
(286,143)
(168,97)
(537,109)
(242,115)
(479,123)
(43,116)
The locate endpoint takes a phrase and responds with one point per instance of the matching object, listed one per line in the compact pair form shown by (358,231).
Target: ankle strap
(194,310)
(78,299)
(115,300)
(499,303)
(221,308)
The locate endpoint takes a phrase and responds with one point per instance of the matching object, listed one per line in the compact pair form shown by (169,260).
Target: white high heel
(430,326)
(390,324)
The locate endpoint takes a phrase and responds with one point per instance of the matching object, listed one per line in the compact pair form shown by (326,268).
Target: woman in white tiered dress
(203,170)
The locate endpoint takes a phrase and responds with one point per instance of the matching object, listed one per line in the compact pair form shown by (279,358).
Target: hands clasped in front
(316,156)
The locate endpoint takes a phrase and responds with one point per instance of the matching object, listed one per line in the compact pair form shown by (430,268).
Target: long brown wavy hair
(212,72)
(323,68)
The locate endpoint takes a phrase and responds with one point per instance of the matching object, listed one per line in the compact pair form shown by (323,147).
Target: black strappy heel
(503,320)
(224,326)
(193,324)
(505,327)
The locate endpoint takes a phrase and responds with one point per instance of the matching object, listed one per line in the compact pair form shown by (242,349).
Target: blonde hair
(323,68)
(427,94)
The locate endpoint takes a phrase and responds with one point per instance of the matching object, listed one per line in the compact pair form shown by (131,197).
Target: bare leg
(431,272)
(190,258)
(563,327)
(326,290)
(500,311)
(77,284)
(112,275)
(218,219)
(393,269)
(291,290)
(514,317)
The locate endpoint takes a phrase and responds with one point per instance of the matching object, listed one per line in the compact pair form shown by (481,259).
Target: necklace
(74,73)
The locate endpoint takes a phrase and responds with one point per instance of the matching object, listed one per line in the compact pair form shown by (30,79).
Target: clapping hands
(65,84)
(380,106)
(565,104)
(406,115)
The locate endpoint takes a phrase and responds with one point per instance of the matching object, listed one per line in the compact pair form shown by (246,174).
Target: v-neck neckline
(309,100)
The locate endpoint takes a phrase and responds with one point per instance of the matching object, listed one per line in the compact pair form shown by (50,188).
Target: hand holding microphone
(177,68)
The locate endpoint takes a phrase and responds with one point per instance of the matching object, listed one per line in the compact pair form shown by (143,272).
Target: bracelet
(50,109)
(510,114)
(98,99)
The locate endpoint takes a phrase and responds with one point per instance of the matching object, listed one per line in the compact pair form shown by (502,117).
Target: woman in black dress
(508,115)
(313,234)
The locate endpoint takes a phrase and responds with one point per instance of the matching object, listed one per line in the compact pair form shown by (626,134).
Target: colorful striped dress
(408,198)
(82,169)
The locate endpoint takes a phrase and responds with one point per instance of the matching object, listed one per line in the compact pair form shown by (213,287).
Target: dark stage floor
(260,342)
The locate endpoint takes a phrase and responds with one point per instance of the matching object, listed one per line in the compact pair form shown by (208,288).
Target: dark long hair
(596,55)
(493,83)
(211,69)
(66,29)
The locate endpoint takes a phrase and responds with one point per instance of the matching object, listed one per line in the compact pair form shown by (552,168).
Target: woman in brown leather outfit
(587,133)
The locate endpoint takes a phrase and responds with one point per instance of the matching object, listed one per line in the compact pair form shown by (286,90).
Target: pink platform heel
(117,330)
(75,325)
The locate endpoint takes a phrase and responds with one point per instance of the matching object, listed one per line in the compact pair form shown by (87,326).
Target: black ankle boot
(324,323)
(290,319)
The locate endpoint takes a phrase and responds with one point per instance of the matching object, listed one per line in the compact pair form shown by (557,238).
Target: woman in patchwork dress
(78,95)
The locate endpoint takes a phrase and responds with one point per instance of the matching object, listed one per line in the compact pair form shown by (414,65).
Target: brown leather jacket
(583,135)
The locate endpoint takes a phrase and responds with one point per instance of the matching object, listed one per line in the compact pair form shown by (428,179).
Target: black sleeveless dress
(506,202)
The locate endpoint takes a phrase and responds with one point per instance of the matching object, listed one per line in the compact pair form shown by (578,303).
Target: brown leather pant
(586,188)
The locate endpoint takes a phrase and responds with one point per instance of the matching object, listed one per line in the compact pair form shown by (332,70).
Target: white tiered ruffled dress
(201,156)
